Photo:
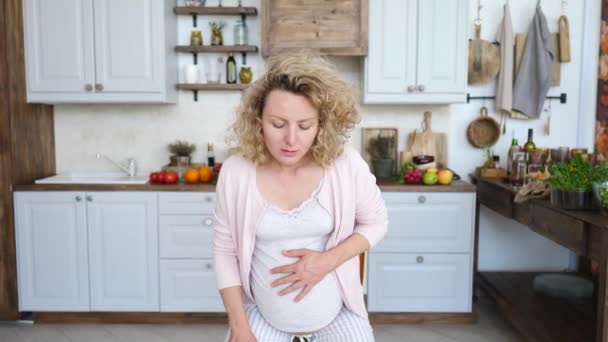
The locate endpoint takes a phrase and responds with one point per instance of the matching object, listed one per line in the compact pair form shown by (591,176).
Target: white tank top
(308,226)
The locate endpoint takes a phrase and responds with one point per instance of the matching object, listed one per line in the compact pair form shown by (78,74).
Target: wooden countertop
(456,186)
(591,217)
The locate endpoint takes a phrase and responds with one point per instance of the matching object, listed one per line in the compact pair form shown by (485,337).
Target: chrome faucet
(130,169)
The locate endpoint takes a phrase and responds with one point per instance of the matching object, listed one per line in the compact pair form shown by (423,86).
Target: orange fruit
(205,174)
(191,176)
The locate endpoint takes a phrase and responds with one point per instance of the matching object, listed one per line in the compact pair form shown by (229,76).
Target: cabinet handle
(89,198)
(419,259)
(208,199)
(421,199)
(411,89)
(208,266)
(421,88)
(78,198)
(98,87)
(207,222)
(88,87)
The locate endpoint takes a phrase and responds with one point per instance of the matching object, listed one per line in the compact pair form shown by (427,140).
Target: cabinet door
(442,48)
(58,46)
(419,283)
(129,45)
(51,243)
(123,251)
(189,286)
(390,67)
(428,223)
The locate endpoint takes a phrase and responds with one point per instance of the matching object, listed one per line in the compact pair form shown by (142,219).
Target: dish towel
(504,86)
(534,77)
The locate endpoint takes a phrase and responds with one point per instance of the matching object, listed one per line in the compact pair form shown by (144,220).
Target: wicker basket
(483,131)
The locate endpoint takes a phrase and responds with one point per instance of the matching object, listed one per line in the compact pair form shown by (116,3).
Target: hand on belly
(311,267)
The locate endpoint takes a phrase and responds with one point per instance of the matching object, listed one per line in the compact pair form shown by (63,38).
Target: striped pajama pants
(346,327)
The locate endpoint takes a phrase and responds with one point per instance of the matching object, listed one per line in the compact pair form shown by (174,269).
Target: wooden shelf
(216,49)
(182,10)
(211,86)
(537,317)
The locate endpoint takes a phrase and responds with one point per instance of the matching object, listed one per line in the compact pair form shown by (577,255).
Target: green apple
(429,178)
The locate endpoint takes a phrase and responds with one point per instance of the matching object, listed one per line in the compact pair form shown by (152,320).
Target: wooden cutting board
(428,142)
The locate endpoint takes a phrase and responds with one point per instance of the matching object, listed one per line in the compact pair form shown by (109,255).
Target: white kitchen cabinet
(417,52)
(187,275)
(186,236)
(419,283)
(123,251)
(51,249)
(102,51)
(81,251)
(189,286)
(429,222)
(425,261)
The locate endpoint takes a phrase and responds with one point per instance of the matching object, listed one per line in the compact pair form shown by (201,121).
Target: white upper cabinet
(102,51)
(417,52)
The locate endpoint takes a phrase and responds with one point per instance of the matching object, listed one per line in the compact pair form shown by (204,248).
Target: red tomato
(154,177)
(171,177)
(161,177)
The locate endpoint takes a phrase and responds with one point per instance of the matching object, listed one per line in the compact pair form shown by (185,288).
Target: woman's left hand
(306,273)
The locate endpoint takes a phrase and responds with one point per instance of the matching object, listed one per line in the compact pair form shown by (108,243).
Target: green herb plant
(576,175)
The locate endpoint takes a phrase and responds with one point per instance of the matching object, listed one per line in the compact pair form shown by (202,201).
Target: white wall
(142,131)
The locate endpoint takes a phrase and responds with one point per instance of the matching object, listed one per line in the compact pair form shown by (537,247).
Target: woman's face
(290,124)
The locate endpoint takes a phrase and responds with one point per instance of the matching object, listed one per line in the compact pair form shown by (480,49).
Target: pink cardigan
(349,194)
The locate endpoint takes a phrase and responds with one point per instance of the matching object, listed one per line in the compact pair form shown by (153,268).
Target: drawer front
(428,222)
(563,229)
(179,203)
(419,283)
(189,286)
(186,236)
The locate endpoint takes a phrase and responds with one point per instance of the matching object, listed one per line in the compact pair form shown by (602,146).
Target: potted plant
(380,149)
(572,183)
(181,152)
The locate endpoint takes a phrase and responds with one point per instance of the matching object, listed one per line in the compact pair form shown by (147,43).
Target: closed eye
(276,125)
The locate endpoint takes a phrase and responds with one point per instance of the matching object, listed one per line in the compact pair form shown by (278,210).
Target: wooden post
(601,331)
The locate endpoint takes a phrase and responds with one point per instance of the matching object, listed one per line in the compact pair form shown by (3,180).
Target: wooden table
(537,317)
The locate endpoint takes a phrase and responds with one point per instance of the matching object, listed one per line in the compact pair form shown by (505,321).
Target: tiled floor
(490,327)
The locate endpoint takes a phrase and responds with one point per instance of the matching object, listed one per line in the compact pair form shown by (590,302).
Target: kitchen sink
(93,178)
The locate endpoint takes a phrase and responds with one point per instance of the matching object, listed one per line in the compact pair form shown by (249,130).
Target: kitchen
(69,134)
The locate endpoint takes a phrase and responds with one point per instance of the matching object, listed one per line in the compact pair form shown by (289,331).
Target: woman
(295,206)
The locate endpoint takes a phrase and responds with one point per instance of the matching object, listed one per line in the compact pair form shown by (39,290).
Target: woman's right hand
(242,335)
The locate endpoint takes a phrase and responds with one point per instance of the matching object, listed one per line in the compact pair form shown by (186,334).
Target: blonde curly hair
(302,73)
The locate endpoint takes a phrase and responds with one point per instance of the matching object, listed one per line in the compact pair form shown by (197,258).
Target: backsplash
(143,131)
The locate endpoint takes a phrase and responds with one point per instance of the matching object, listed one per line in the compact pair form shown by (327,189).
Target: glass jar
(196,37)
(518,169)
(214,73)
(245,75)
(241,33)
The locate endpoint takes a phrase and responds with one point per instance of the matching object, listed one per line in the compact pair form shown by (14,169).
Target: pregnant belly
(313,312)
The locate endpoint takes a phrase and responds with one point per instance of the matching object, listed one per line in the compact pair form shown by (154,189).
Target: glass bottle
(210,155)
(514,148)
(230,69)
(241,34)
(529,146)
